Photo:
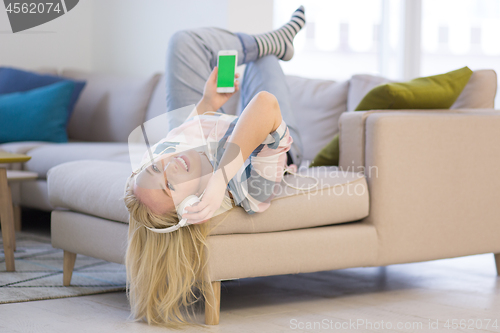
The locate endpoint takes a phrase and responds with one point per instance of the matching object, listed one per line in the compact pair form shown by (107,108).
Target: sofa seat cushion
(21,147)
(47,156)
(97,188)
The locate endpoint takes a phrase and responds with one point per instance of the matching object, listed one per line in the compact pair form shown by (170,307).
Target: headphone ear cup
(188,201)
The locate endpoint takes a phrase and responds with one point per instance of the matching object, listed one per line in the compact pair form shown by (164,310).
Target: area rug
(39,273)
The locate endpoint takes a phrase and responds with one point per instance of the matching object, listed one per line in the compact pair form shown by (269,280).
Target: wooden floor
(409,295)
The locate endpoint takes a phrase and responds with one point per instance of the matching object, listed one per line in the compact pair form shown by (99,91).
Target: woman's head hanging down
(241,165)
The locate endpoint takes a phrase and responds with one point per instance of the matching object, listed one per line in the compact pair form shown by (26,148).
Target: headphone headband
(188,201)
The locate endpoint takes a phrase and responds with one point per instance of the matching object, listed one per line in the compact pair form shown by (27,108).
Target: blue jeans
(191,57)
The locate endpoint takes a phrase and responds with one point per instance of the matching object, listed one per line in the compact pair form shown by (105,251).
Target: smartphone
(226,64)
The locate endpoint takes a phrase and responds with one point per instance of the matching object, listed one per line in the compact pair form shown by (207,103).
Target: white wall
(250,16)
(134,39)
(123,36)
(63,42)
(131,36)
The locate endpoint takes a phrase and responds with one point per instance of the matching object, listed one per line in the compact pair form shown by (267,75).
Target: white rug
(39,276)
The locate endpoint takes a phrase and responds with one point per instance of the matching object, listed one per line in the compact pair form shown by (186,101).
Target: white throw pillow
(360,85)
(317,106)
(480,91)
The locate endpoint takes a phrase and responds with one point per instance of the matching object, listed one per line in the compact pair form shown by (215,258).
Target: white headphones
(190,200)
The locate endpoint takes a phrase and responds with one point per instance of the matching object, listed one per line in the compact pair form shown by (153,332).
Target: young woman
(243,164)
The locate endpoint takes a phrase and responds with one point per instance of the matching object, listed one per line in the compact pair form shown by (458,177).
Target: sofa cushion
(317,106)
(47,70)
(341,197)
(16,80)
(38,114)
(97,188)
(430,92)
(479,93)
(360,85)
(110,106)
(329,155)
(47,156)
(34,194)
(158,104)
(22,147)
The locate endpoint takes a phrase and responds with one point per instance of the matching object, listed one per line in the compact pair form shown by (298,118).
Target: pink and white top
(258,180)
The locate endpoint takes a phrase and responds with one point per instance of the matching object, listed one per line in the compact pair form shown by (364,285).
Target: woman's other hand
(210,202)
(212,100)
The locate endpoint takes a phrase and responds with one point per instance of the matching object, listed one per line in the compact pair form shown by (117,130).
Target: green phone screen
(225,74)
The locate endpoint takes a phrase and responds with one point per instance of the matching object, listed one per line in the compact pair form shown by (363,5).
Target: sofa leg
(212,312)
(68,265)
(497,261)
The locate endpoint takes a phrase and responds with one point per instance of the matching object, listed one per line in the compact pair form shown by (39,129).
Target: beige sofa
(412,185)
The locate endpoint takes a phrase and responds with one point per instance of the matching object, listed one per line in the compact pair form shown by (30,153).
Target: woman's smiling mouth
(183,161)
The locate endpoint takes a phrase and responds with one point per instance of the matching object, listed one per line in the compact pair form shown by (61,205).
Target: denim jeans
(191,57)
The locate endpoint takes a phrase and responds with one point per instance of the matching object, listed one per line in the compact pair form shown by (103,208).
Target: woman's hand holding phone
(212,100)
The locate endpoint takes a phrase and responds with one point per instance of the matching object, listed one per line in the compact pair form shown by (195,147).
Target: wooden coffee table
(6,209)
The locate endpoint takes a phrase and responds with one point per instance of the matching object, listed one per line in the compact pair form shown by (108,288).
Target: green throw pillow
(431,92)
(329,155)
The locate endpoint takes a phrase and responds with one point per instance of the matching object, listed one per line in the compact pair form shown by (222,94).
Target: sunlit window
(457,33)
(341,38)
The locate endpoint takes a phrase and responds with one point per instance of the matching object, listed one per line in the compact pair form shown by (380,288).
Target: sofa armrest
(352,140)
(352,134)
(434,183)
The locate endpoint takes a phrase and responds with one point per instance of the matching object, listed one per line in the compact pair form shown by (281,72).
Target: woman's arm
(212,100)
(261,117)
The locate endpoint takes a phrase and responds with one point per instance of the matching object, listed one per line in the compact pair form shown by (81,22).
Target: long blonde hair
(165,271)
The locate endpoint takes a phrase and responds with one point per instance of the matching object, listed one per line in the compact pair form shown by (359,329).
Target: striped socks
(280,42)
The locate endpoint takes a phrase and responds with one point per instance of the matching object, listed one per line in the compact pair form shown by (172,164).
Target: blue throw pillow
(36,115)
(17,80)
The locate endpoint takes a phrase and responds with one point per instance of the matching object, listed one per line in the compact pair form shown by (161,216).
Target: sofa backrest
(110,106)
(158,104)
(316,105)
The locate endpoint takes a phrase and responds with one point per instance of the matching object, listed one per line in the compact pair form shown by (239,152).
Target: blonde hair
(165,271)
